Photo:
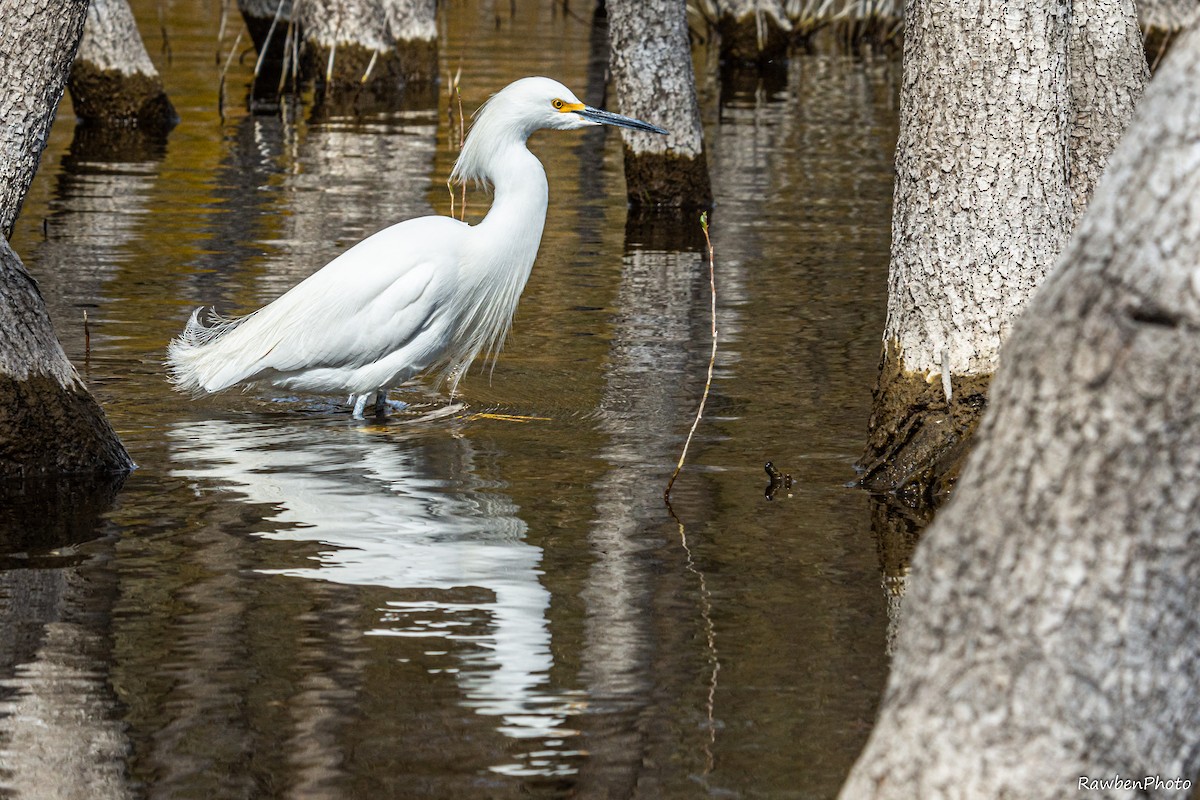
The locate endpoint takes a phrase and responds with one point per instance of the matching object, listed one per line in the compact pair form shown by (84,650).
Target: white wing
(370,301)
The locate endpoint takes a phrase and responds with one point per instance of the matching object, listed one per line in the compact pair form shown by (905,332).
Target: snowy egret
(426,294)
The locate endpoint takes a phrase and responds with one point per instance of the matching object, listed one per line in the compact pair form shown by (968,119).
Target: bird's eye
(558,104)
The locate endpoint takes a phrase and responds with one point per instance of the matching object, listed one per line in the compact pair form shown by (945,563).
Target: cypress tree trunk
(49,423)
(651,64)
(1049,629)
(753,31)
(113,80)
(38,39)
(385,46)
(1008,114)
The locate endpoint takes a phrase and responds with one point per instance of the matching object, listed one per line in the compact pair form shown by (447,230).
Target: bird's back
(385,295)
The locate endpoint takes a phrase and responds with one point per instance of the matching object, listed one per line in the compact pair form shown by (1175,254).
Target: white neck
(520,197)
(501,248)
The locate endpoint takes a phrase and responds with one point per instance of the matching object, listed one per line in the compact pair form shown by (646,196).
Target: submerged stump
(920,431)
(113,80)
(381,47)
(271,27)
(49,423)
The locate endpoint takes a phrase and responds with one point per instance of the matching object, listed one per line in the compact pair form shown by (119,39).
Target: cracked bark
(1050,630)
(651,64)
(49,423)
(1009,111)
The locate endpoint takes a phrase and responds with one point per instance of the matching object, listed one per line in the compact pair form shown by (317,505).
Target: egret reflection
(406,514)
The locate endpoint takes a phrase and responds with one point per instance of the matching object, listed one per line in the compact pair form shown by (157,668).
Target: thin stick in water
(262,55)
(456,93)
(712,359)
(221,85)
(370,66)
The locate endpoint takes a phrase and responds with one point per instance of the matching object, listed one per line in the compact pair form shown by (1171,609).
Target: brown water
(481,601)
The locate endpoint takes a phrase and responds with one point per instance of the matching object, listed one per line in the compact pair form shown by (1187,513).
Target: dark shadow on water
(109,144)
(897,529)
(330,105)
(742,80)
(670,229)
(43,515)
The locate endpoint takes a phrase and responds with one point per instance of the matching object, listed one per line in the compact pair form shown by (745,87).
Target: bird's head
(519,109)
(546,103)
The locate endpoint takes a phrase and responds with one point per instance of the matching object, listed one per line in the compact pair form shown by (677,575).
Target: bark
(383,45)
(1050,629)
(38,39)
(1107,70)
(113,80)
(48,421)
(651,64)
(1008,114)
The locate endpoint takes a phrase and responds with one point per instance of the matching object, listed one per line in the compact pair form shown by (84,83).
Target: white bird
(426,294)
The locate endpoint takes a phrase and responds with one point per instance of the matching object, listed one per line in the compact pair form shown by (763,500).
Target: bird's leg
(383,403)
(360,403)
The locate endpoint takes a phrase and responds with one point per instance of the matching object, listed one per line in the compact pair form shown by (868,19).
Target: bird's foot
(383,404)
(380,407)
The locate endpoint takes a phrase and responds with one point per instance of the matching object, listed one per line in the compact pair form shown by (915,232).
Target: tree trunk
(1049,633)
(383,45)
(113,80)
(48,421)
(651,64)
(35,38)
(752,31)
(1008,114)
(1162,21)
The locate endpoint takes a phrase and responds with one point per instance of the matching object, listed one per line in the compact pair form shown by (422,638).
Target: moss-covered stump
(667,179)
(49,424)
(350,69)
(918,440)
(112,97)
(49,429)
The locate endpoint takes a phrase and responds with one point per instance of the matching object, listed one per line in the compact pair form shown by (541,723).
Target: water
(488,599)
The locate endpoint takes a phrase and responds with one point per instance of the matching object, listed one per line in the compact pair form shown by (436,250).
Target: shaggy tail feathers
(193,361)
